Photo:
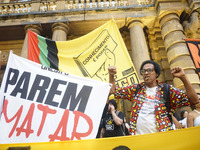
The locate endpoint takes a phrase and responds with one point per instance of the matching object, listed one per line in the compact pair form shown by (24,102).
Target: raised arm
(118,121)
(112,71)
(191,93)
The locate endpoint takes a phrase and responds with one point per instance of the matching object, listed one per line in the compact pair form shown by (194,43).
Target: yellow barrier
(183,139)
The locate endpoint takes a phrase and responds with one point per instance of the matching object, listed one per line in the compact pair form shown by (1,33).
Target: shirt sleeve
(127,92)
(178,98)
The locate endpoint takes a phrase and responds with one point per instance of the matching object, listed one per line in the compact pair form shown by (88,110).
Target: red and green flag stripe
(42,50)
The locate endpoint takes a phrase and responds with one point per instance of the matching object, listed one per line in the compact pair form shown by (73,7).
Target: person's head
(121,147)
(150,70)
(184,114)
(112,102)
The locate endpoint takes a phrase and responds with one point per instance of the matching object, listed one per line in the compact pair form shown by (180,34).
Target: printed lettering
(11,78)
(61,129)
(62,126)
(43,91)
(17,116)
(81,99)
(28,121)
(40,84)
(54,91)
(46,110)
(22,85)
(76,134)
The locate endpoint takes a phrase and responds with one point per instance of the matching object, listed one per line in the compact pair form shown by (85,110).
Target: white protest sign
(40,104)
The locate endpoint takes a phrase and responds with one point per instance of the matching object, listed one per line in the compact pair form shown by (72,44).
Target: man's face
(149,74)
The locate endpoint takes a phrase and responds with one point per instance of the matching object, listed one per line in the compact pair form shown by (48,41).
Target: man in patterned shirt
(149,113)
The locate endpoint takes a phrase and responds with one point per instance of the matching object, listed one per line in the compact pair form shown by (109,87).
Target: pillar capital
(169,24)
(33,27)
(60,31)
(60,26)
(164,7)
(167,16)
(133,22)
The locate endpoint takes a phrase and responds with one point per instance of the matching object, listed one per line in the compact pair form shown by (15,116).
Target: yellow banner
(90,55)
(182,139)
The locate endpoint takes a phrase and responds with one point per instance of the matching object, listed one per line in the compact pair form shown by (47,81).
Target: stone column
(139,47)
(60,31)
(35,28)
(177,52)
(191,28)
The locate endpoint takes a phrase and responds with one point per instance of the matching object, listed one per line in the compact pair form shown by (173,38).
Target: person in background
(149,113)
(183,121)
(193,118)
(103,116)
(112,122)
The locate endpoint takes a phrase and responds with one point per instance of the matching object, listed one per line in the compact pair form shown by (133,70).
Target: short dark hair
(155,64)
(121,147)
(113,102)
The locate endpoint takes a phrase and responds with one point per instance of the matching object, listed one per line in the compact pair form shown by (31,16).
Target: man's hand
(112,108)
(112,70)
(178,72)
(191,93)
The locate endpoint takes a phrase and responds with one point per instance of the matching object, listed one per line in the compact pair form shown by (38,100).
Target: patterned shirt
(177,97)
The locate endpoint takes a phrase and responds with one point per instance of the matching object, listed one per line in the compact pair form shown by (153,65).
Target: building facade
(151,29)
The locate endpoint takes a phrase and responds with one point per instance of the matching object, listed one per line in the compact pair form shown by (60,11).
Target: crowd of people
(153,104)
